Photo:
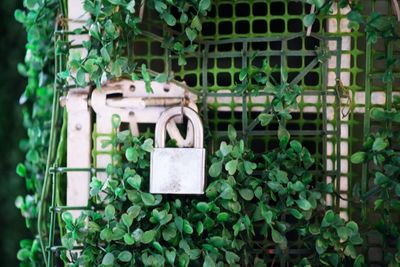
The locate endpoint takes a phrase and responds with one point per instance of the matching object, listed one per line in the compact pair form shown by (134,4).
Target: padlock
(177,170)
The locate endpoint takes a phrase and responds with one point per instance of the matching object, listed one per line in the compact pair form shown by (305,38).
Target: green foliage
(140,228)
(381,152)
(115,25)
(38,20)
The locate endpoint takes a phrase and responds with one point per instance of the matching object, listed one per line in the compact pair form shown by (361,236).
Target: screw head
(78,127)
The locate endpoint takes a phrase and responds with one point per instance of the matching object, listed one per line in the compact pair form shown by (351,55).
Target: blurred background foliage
(12,49)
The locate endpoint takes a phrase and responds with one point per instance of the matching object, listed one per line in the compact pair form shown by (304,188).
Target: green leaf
(284,75)
(343,233)
(147,145)
(231,133)
(67,217)
(225,149)
(243,74)
(81,77)
(191,34)
(358,157)
(265,118)
(231,166)
(125,256)
(378,114)
(223,217)
(135,181)
(161,78)
(208,262)
(160,6)
(170,19)
(199,228)
(132,154)
(297,214)
(328,219)
(381,179)
(23,254)
(246,194)
(196,24)
(228,193)
(109,212)
(148,236)
(304,204)
(355,16)
(215,169)
(170,256)
(147,198)
(184,18)
(187,228)
(128,239)
(320,246)
(204,5)
(314,229)
(127,219)
(108,259)
(379,144)
(106,234)
(309,19)
(116,121)
(203,207)
(296,145)
(283,135)
(181,60)
(249,167)
(350,251)
(277,237)
(318,3)
(359,261)
(19,16)
(131,6)
(21,170)
(231,258)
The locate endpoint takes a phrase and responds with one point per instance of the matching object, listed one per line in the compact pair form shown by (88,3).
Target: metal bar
(260,53)
(305,93)
(205,83)
(50,256)
(367,123)
(244,97)
(338,128)
(66,169)
(273,132)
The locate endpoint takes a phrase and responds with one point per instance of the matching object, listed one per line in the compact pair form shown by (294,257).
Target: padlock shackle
(167,115)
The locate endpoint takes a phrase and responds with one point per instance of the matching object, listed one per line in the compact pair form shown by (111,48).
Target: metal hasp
(134,105)
(178,170)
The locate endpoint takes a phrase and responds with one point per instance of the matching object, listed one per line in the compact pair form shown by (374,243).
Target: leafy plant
(381,153)
(114,25)
(39,23)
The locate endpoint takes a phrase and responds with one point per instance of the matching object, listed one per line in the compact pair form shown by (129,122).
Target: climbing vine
(134,227)
(115,24)
(39,20)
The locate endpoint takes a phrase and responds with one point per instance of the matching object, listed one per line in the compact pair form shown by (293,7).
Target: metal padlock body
(178,170)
